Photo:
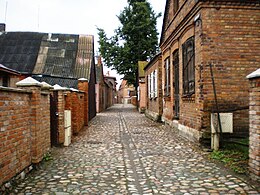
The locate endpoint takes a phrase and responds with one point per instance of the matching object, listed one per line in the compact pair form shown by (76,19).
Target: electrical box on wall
(226,122)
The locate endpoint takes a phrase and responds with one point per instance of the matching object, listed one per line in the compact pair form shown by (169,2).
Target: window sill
(167,98)
(188,97)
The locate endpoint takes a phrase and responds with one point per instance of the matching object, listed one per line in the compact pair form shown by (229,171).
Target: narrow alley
(123,152)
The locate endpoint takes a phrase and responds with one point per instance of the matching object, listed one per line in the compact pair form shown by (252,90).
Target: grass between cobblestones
(234,156)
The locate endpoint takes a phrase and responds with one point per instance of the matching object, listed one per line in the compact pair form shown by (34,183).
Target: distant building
(110,90)
(125,92)
(100,87)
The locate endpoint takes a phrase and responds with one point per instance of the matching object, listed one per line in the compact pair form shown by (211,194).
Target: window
(5,81)
(155,83)
(175,6)
(149,86)
(167,70)
(188,67)
(152,84)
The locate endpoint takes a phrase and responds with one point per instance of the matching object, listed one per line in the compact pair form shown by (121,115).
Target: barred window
(188,67)
(167,83)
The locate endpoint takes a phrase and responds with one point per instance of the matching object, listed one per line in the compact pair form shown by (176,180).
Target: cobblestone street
(123,152)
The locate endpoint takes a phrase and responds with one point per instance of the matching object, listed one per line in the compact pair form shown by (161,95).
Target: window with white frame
(152,84)
(167,77)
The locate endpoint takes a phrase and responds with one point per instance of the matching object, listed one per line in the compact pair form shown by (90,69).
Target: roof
(63,82)
(19,51)
(63,56)
(169,4)
(153,60)
(165,17)
(8,70)
(99,71)
(141,65)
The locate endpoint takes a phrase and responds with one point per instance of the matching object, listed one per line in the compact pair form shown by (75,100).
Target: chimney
(2,27)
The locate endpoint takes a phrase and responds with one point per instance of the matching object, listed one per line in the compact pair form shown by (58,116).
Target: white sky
(67,16)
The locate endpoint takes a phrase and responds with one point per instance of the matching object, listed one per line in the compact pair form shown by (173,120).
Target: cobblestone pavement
(122,152)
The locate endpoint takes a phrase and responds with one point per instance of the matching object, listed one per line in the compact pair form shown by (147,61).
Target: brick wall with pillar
(60,95)
(83,86)
(254,124)
(40,112)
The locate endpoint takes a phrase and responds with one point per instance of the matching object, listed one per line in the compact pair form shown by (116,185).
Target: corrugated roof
(141,65)
(85,56)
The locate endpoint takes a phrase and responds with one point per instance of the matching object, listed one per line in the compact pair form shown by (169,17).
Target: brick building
(141,86)
(198,35)
(153,77)
(110,90)
(8,77)
(125,92)
(100,86)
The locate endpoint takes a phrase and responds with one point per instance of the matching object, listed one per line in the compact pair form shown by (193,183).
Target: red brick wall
(60,112)
(230,43)
(154,105)
(77,112)
(254,131)
(142,102)
(25,129)
(226,36)
(84,86)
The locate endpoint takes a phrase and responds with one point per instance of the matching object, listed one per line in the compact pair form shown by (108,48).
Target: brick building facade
(153,77)
(199,34)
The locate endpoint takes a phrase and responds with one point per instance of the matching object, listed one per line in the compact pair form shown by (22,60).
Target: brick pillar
(83,86)
(34,86)
(254,125)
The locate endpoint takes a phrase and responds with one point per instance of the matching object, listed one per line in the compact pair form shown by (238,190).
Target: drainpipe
(217,111)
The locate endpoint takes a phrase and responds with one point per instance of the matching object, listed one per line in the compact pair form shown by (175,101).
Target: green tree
(136,39)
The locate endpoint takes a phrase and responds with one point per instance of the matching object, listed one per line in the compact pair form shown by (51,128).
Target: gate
(54,119)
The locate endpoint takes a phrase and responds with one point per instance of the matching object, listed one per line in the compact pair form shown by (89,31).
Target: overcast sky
(67,16)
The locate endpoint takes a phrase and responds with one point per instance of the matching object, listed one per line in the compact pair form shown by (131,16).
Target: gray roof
(19,51)
(62,56)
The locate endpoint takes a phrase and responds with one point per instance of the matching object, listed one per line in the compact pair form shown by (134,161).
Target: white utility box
(67,124)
